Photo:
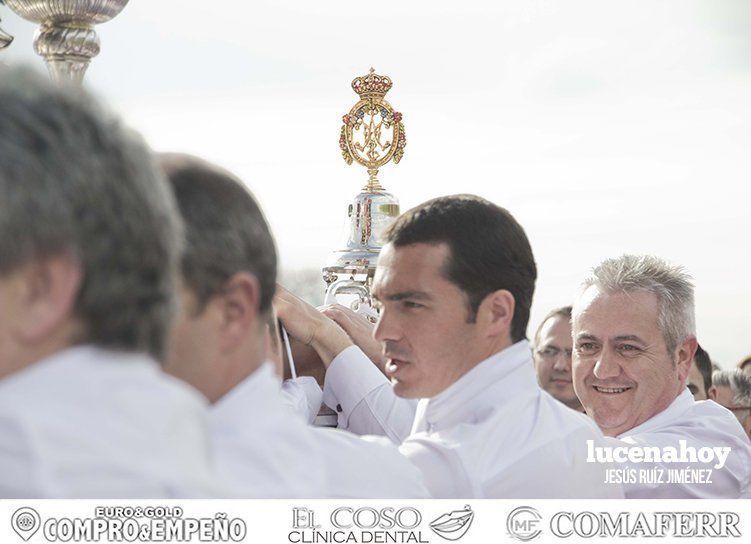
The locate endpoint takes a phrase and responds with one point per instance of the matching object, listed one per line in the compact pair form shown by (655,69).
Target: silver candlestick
(66,38)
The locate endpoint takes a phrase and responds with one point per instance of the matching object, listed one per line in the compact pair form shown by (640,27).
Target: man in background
(732,389)
(634,341)
(89,238)
(745,366)
(552,356)
(700,374)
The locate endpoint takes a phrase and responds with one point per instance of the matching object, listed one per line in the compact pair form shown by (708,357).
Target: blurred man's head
(228,278)
(634,339)
(732,389)
(455,282)
(700,375)
(745,366)
(89,235)
(552,355)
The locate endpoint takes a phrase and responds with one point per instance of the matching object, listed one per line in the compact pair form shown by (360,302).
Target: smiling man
(454,284)
(552,355)
(634,341)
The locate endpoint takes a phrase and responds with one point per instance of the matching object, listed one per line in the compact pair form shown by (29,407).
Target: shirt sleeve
(302,396)
(363,398)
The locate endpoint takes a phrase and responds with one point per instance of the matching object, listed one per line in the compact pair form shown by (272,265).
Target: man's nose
(607,365)
(387,328)
(562,362)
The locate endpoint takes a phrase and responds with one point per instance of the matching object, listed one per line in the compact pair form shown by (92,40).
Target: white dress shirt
(95,423)
(364,399)
(492,434)
(302,396)
(268,452)
(701,424)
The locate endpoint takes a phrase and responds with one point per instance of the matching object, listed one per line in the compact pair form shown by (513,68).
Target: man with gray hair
(634,340)
(732,389)
(89,239)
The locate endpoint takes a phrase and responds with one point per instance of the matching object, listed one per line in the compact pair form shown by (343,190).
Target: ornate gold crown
(371,85)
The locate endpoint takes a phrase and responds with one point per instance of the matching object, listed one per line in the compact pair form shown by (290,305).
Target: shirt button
(338,407)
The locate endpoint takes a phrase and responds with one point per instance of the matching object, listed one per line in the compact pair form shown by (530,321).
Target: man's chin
(403,390)
(611,425)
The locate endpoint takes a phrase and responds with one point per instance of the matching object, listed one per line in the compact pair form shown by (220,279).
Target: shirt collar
(682,402)
(258,393)
(79,357)
(493,382)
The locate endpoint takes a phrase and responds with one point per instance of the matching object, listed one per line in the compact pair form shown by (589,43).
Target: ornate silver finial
(66,38)
(372,134)
(5,38)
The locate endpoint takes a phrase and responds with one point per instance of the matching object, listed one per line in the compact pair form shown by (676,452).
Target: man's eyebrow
(586,336)
(627,338)
(415,295)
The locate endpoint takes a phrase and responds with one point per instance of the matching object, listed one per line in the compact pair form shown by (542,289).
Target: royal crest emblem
(372,132)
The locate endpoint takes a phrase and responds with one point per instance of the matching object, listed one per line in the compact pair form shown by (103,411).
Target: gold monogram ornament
(373,132)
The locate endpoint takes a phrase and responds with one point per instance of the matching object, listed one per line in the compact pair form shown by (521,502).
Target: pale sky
(604,126)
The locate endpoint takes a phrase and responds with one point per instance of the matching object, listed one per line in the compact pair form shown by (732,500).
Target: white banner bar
(372,522)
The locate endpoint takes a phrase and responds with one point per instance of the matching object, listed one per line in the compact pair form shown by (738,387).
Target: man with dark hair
(553,346)
(700,375)
(219,345)
(89,239)
(454,283)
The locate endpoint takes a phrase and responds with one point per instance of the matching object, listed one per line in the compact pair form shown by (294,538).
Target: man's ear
(48,289)
(240,300)
(684,357)
(496,312)
(712,392)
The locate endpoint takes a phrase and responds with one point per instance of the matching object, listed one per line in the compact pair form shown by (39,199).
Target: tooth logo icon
(454,525)
(25,522)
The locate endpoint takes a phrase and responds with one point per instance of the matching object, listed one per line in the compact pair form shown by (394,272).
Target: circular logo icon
(25,522)
(523,523)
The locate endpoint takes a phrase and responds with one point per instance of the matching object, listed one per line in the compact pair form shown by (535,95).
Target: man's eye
(586,347)
(628,349)
(411,305)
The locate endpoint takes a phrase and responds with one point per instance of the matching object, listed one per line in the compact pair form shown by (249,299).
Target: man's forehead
(556,327)
(620,315)
(597,303)
(407,267)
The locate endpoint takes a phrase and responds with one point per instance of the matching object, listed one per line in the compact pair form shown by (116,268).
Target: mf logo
(523,523)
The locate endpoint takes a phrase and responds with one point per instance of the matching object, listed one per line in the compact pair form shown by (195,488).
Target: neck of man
(574,404)
(237,365)
(22,354)
(485,350)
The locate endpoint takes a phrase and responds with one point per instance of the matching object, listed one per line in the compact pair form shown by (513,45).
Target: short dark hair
(704,365)
(226,231)
(74,179)
(488,250)
(563,311)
